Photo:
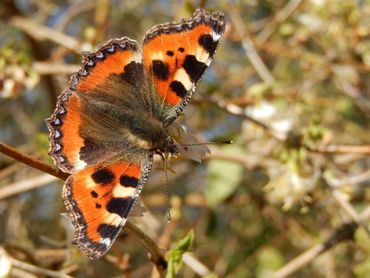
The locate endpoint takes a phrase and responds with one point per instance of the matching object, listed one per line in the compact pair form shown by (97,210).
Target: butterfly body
(113,118)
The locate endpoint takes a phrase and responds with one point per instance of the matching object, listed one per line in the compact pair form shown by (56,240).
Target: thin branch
(33,162)
(342,201)
(239,111)
(341,149)
(198,267)
(342,233)
(41,32)
(353,179)
(155,253)
(237,158)
(45,68)
(37,270)
(25,185)
(9,170)
(281,16)
(249,48)
(73,12)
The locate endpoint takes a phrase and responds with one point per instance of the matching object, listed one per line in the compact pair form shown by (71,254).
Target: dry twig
(40,32)
(249,48)
(30,161)
(45,68)
(281,16)
(36,269)
(342,233)
(25,185)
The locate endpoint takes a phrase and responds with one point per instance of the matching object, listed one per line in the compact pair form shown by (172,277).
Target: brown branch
(249,47)
(281,16)
(343,232)
(33,162)
(25,185)
(341,149)
(36,269)
(41,32)
(45,68)
(155,253)
(239,111)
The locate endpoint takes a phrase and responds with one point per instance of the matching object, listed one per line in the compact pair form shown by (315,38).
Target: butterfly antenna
(207,143)
(167,191)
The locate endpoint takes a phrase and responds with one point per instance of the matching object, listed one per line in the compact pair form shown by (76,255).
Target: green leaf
(223,177)
(174,256)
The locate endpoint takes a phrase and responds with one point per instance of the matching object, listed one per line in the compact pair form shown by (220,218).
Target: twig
(9,170)
(338,196)
(74,11)
(345,205)
(342,233)
(198,267)
(35,269)
(41,32)
(25,185)
(249,48)
(45,68)
(30,161)
(239,111)
(341,149)
(281,16)
(354,179)
(155,254)
(240,159)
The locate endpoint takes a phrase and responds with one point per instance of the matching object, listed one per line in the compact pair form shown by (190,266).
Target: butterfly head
(168,146)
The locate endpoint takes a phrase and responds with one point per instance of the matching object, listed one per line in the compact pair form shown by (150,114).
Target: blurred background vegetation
(289,84)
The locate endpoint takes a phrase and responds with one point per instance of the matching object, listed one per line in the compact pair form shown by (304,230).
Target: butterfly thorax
(149,133)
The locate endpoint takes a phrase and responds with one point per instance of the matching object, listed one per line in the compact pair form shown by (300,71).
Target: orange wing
(116,72)
(98,200)
(176,55)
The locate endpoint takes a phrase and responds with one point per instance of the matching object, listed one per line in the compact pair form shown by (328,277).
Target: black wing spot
(94,194)
(170,53)
(120,206)
(103,176)
(178,88)
(132,71)
(97,205)
(107,231)
(181,49)
(160,69)
(193,67)
(207,42)
(127,181)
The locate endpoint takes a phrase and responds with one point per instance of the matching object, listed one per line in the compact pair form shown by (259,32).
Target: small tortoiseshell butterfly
(113,117)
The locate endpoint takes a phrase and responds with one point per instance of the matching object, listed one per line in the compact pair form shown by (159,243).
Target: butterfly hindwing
(98,200)
(175,57)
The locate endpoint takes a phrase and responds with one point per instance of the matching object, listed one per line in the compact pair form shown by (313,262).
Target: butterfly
(114,116)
